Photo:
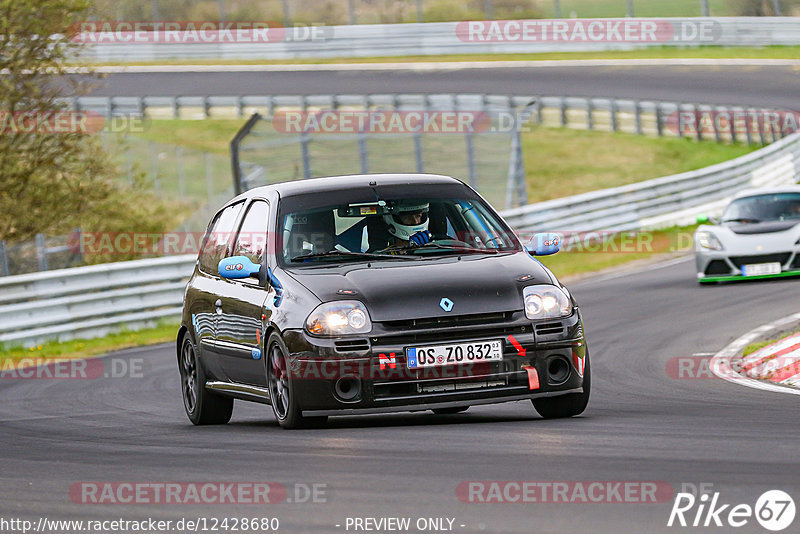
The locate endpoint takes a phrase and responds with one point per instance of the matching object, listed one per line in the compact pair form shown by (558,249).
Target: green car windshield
(762,208)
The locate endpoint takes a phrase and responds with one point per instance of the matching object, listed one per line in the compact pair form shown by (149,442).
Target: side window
(252,238)
(215,243)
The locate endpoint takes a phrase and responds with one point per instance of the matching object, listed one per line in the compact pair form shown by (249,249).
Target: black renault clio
(375,293)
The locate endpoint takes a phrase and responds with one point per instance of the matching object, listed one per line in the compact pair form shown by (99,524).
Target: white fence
(430,39)
(91,301)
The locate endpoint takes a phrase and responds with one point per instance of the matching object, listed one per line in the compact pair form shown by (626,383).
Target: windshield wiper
(346,254)
(450,248)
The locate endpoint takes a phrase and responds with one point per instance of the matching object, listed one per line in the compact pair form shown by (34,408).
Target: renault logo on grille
(446,304)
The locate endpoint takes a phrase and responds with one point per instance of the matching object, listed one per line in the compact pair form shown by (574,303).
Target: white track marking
(721,362)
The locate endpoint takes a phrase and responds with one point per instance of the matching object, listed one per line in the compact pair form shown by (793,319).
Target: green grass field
(658,52)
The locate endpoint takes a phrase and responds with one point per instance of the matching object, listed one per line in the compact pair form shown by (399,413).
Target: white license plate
(438,355)
(760,269)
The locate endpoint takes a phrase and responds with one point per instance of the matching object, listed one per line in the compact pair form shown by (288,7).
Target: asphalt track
(775,86)
(641,425)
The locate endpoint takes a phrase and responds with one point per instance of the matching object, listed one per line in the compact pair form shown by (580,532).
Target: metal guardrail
(666,201)
(441,38)
(91,301)
(642,117)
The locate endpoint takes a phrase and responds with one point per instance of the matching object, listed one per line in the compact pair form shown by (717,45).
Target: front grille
(448,321)
(444,336)
(426,387)
(781,258)
(718,267)
(351,345)
(549,328)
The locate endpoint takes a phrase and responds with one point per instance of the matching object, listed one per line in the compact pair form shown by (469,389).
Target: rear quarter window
(215,242)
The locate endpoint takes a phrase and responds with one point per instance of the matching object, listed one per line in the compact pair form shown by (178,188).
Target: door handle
(218,305)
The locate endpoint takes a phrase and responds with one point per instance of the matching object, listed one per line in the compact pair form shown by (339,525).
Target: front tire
(202,407)
(566,405)
(282,395)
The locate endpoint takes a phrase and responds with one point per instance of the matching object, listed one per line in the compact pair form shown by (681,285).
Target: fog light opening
(347,389)
(558,370)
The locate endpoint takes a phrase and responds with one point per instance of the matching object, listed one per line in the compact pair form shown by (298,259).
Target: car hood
(405,289)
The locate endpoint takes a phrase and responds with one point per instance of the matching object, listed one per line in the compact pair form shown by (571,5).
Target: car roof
(767,191)
(333,183)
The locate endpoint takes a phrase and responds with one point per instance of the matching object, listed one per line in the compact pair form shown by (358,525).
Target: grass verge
(587,254)
(752,347)
(658,52)
(85,348)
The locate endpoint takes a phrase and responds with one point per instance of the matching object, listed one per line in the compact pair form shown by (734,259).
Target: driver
(408,225)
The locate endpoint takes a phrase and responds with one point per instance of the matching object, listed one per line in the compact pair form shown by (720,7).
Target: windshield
(392,229)
(771,207)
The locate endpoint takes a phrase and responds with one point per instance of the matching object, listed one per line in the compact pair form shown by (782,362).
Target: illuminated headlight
(546,302)
(707,240)
(339,318)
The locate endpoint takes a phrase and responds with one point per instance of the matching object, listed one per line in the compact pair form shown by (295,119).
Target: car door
(208,288)
(240,324)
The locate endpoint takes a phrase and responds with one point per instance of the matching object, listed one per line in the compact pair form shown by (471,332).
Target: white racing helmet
(405,231)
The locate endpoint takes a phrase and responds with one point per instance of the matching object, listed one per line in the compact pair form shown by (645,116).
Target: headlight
(339,318)
(546,302)
(708,241)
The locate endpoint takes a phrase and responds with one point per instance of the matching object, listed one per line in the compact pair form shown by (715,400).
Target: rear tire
(282,395)
(450,411)
(566,405)
(202,407)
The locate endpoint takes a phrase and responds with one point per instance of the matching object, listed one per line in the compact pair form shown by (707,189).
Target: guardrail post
(304,151)
(420,16)
(240,106)
(418,152)
(489,8)
(556,9)
(680,126)
(351,13)
(748,128)
(539,108)
(3,259)
(142,107)
(614,121)
(176,110)
(110,107)
(362,152)
(733,126)
(630,9)
(659,120)
(206,108)
(129,164)
(41,252)
(637,113)
(563,107)
(704,7)
(589,114)
(715,121)
(760,119)
(777,5)
(697,125)
(471,160)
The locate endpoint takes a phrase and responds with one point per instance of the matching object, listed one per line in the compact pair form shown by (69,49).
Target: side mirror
(238,267)
(544,244)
